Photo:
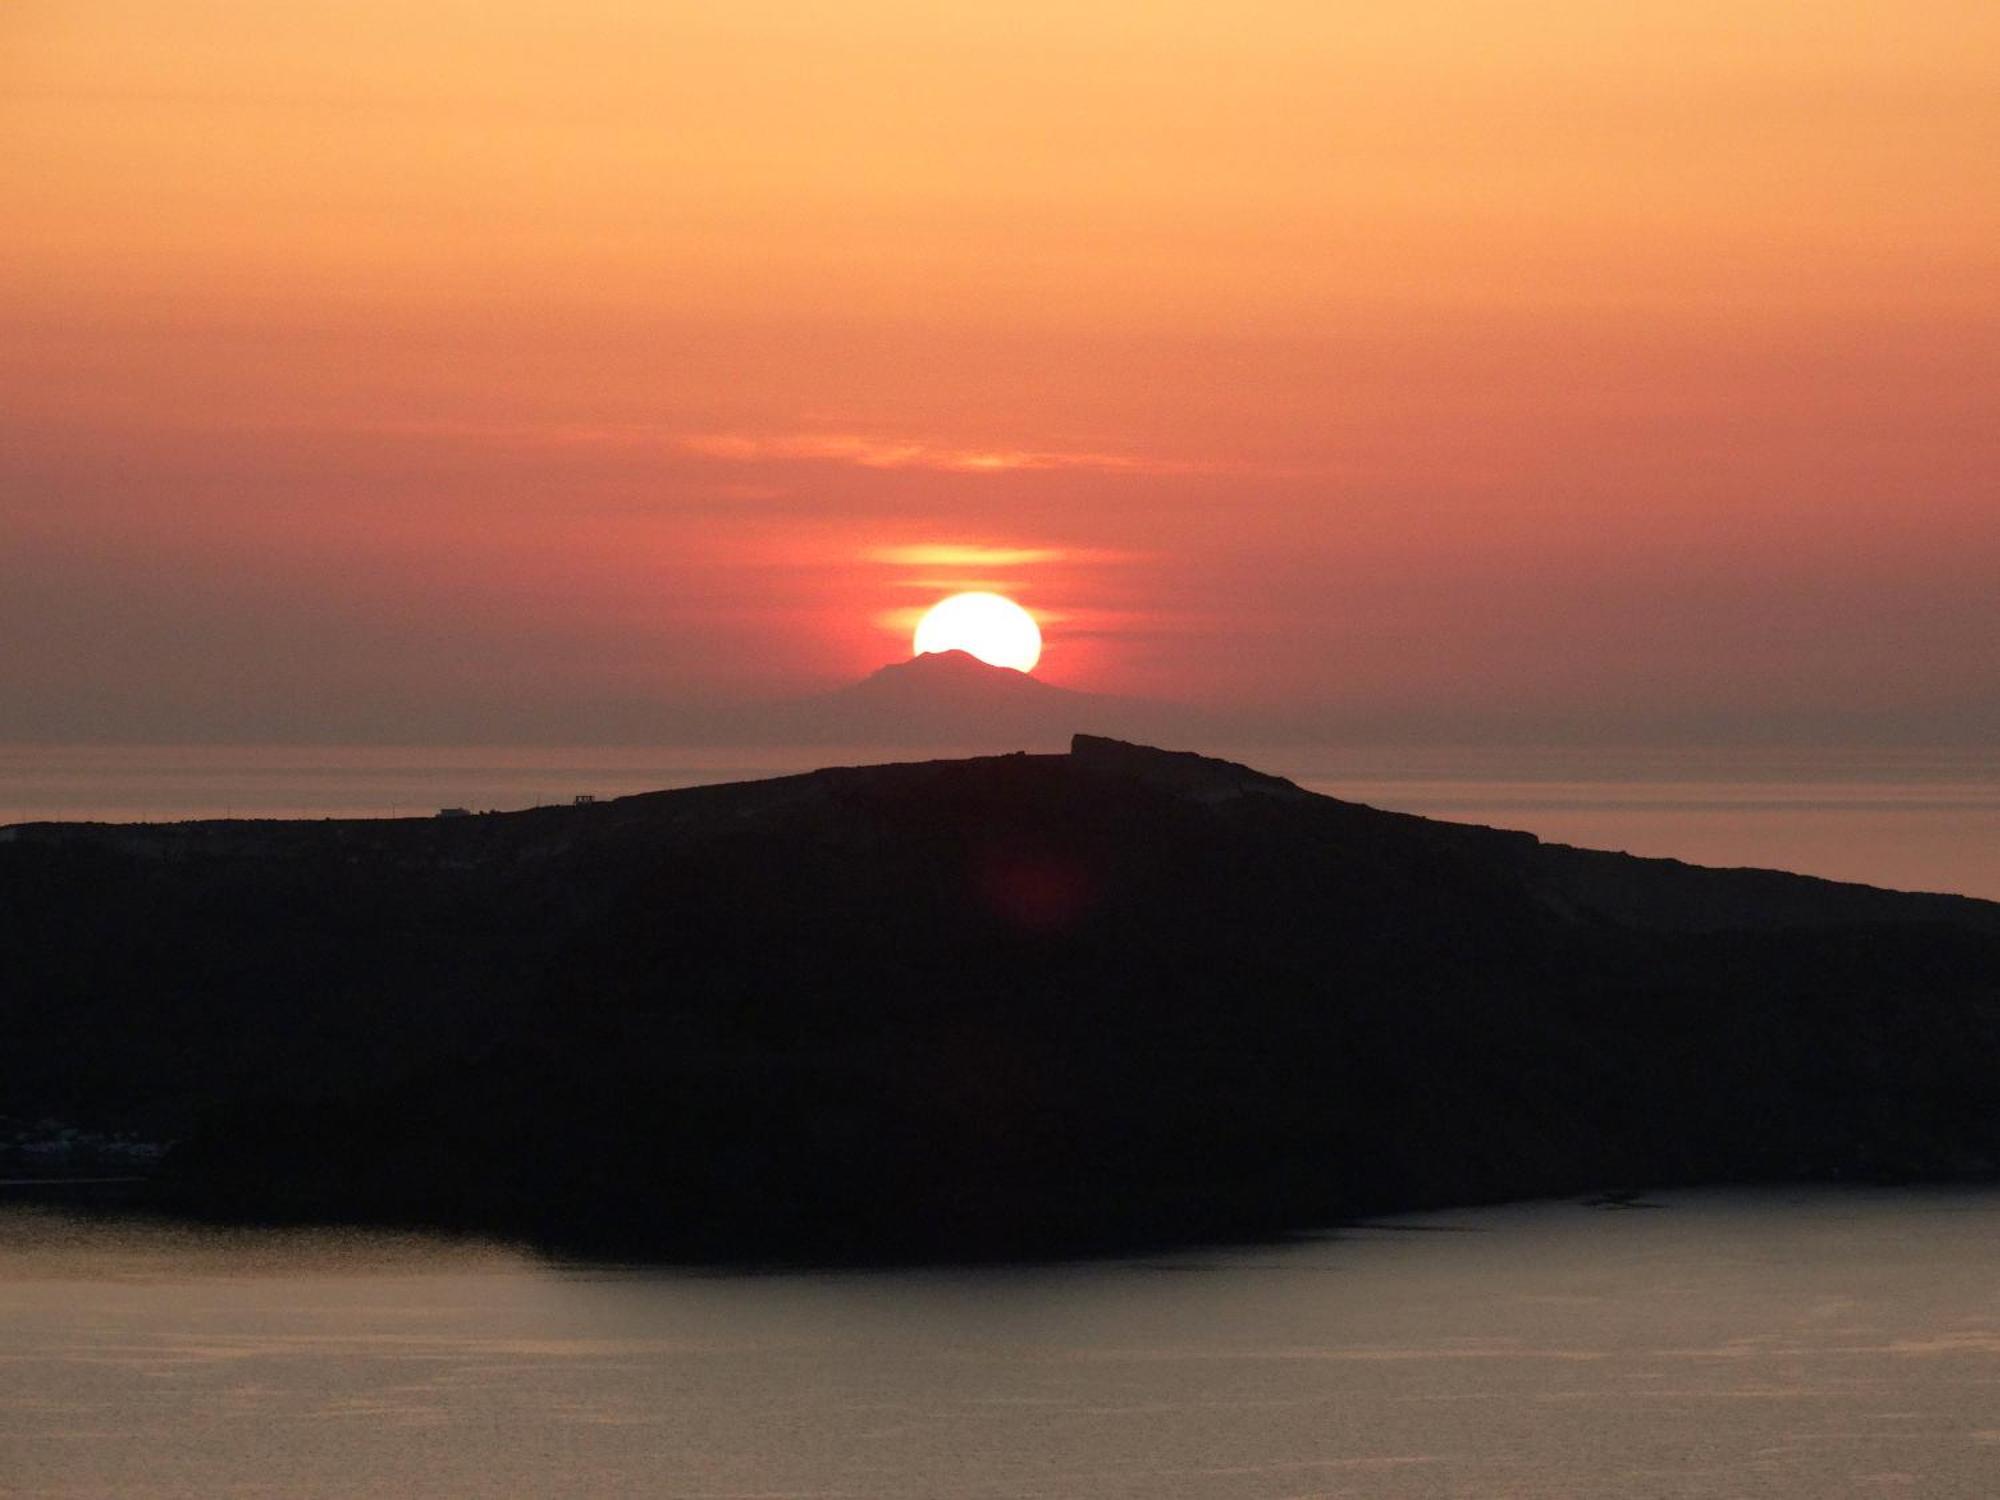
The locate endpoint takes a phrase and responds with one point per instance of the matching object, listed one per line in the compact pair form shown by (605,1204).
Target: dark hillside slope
(989,1007)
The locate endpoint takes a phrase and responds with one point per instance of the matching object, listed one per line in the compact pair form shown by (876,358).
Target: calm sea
(1913,820)
(1786,1346)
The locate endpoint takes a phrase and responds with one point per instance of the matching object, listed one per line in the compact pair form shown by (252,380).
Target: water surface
(1801,1345)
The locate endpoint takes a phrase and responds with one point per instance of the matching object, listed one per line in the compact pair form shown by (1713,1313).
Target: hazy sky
(403,369)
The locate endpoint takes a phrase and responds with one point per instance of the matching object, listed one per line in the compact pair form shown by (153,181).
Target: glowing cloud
(898,453)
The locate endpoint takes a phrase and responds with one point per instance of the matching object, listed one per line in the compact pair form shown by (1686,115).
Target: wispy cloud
(869,452)
(858,450)
(968,555)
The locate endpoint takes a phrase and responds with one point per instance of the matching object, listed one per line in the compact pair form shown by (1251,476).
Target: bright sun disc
(989,626)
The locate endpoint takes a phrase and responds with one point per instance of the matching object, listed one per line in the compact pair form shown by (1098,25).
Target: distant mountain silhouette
(953,699)
(1014,1005)
(953,684)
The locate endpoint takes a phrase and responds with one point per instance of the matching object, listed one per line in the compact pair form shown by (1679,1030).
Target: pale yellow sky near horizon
(1558,368)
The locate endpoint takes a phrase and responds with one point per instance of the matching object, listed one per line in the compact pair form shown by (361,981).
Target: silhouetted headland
(1014,1005)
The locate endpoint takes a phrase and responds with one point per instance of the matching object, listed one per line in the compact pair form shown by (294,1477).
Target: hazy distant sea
(1917,820)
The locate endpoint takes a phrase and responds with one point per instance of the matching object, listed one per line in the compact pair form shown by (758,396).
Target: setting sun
(991,627)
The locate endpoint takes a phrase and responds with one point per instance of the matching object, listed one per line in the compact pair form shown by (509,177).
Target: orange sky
(481,367)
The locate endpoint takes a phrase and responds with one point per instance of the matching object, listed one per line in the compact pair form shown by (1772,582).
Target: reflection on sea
(1788,1345)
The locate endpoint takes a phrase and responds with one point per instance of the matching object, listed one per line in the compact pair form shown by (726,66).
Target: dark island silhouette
(1010,1006)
